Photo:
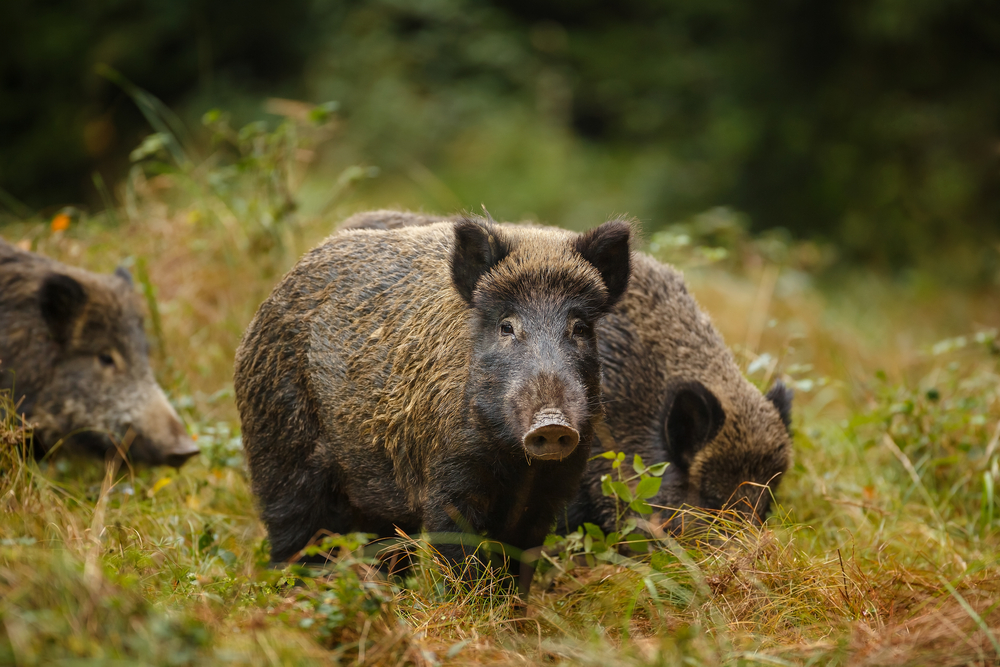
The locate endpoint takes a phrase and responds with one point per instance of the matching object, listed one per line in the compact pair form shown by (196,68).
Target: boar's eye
(106,360)
(579,330)
(506,329)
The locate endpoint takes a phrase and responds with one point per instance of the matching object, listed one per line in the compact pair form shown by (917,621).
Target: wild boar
(442,377)
(673,392)
(74,355)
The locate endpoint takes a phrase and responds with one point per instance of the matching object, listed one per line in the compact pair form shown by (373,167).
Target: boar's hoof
(180,454)
(550,436)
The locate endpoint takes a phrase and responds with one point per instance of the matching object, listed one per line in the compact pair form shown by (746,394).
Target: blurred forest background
(869,128)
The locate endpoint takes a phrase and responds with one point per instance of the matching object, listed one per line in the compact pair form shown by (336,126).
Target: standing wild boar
(442,377)
(672,392)
(73,351)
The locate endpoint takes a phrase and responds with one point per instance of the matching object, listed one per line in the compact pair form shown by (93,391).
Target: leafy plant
(631,491)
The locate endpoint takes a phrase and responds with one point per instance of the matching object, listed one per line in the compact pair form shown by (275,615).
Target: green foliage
(631,493)
(945,431)
(866,127)
(62,121)
(249,183)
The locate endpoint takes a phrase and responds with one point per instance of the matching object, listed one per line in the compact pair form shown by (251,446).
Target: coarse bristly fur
(672,392)
(392,378)
(74,353)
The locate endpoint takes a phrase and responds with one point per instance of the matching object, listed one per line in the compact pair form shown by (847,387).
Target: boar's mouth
(146,451)
(550,436)
(180,454)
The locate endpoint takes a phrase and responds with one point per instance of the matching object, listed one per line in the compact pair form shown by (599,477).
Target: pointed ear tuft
(607,248)
(124,274)
(694,417)
(479,246)
(61,300)
(781,396)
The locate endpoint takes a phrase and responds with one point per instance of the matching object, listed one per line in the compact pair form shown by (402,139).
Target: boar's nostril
(550,436)
(553,436)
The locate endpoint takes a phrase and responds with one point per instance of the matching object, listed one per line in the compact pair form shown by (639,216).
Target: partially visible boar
(672,392)
(441,377)
(74,354)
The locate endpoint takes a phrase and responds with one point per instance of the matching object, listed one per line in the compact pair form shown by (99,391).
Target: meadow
(881,550)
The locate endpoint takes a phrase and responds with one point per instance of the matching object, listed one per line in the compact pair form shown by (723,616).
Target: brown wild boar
(73,350)
(672,392)
(442,377)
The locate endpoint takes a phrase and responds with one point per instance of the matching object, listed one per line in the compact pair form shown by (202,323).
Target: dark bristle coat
(672,392)
(391,380)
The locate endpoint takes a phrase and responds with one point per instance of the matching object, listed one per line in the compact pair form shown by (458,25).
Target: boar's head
(100,385)
(725,456)
(535,373)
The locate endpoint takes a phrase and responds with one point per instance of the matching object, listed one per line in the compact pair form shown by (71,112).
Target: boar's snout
(550,435)
(180,453)
(162,436)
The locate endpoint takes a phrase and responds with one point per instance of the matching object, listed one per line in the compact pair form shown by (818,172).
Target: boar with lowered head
(673,392)
(441,377)
(74,353)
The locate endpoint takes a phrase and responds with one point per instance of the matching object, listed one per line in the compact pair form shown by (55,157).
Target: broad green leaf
(648,487)
(594,531)
(622,491)
(641,506)
(658,469)
(637,542)
(638,465)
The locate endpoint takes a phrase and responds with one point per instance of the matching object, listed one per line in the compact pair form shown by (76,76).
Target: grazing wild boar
(74,353)
(441,377)
(672,392)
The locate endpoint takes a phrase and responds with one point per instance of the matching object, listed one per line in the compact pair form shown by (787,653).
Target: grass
(882,548)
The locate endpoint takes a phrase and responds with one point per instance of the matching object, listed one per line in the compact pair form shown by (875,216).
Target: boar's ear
(607,248)
(694,417)
(123,273)
(61,300)
(781,395)
(479,246)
